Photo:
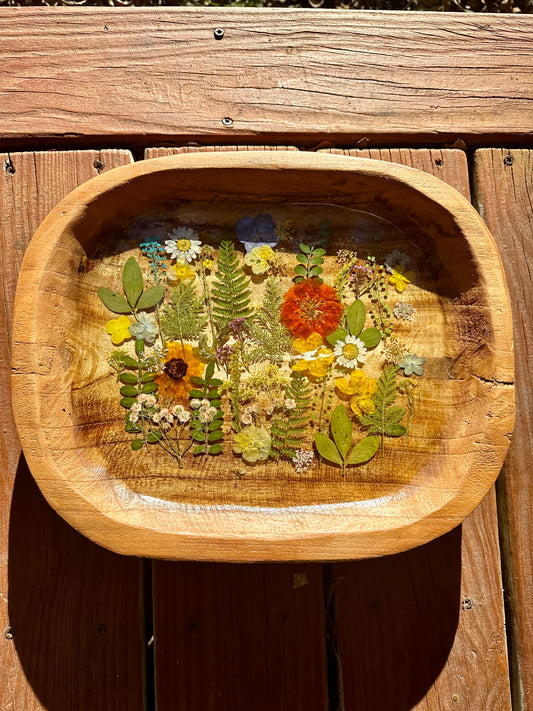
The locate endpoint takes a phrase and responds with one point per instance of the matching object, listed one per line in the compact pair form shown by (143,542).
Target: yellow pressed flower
(118,329)
(316,359)
(359,388)
(208,263)
(182,272)
(259,258)
(400,277)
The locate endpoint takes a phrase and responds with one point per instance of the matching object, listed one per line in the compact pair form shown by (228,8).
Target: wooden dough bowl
(65,394)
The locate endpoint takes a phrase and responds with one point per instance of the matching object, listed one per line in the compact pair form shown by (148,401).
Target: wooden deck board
(504,197)
(159,74)
(74,608)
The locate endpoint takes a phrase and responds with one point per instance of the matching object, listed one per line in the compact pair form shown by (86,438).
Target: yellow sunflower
(181,363)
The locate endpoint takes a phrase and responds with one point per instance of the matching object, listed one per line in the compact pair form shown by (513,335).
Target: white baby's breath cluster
(404,311)
(303,460)
(205,411)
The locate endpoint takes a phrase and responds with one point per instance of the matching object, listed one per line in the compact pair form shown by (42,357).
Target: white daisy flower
(392,259)
(183,245)
(350,352)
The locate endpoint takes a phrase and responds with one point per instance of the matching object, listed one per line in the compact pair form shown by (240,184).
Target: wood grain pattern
(425,630)
(257,632)
(160,75)
(73,607)
(504,196)
(474,397)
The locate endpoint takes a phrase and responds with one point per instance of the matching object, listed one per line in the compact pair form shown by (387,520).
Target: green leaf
(196,394)
(298,279)
(305,248)
(148,377)
(300,270)
(317,261)
(315,271)
(151,297)
(319,252)
(154,437)
(131,428)
(130,362)
(149,388)
(216,448)
(128,378)
(213,394)
(339,335)
(364,450)
(301,258)
(209,371)
(199,449)
(215,382)
(215,425)
(355,317)
(136,444)
(127,402)
(341,429)
(327,448)
(216,403)
(370,337)
(132,281)
(128,391)
(198,436)
(113,301)
(195,380)
(395,430)
(139,346)
(215,436)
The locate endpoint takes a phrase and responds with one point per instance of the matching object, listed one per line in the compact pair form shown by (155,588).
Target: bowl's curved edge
(126,535)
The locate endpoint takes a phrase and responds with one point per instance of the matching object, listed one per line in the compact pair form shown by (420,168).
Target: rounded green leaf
(139,346)
(209,371)
(364,450)
(341,429)
(215,436)
(127,402)
(327,448)
(215,382)
(196,394)
(199,449)
(132,281)
(319,252)
(317,261)
(216,448)
(216,403)
(195,380)
(136,444)
(305,248)
(149,388)
(370,337)
(154,437)
(396,430)
(151,297)
(128,378)
(215,425)
(113,301)
(197,436)
(213,394)
(131,428)
(148,377)
(301,258)
(128,391)
(130,362)
(339,335)
(355,317)
(315,271)
(300,270)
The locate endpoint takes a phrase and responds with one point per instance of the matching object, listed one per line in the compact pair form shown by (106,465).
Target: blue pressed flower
(154,251)
(413,364)
(254,231)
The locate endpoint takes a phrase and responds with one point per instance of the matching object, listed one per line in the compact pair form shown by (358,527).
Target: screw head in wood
(227,121)
(508,160)
(219,33)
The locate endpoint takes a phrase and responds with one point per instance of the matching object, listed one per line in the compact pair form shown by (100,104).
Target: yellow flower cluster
(182,272)
(317,357)
(359,388)
(259,258)
(400,277)
(118,329)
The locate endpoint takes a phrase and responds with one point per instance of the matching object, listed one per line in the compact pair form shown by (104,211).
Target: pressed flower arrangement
(253,342)
(292,357)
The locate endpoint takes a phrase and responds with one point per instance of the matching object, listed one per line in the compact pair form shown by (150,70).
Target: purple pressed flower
(255,231)
(237,326)
(223,354)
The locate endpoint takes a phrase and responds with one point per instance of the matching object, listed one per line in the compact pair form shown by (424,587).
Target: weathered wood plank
(74,608)
(504,195)
(159,74)
(242,637)
(239,637)
(425,630)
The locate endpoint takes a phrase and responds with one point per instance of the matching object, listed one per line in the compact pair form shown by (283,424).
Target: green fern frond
(230,291)
(184,317)
(271,337)
(385,420)
(288,430)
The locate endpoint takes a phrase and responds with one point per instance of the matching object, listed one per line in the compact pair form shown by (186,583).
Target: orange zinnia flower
(181,363)
(311,307)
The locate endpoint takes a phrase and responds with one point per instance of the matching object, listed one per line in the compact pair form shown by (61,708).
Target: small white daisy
(392,259)
(183,245)
(350,352)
